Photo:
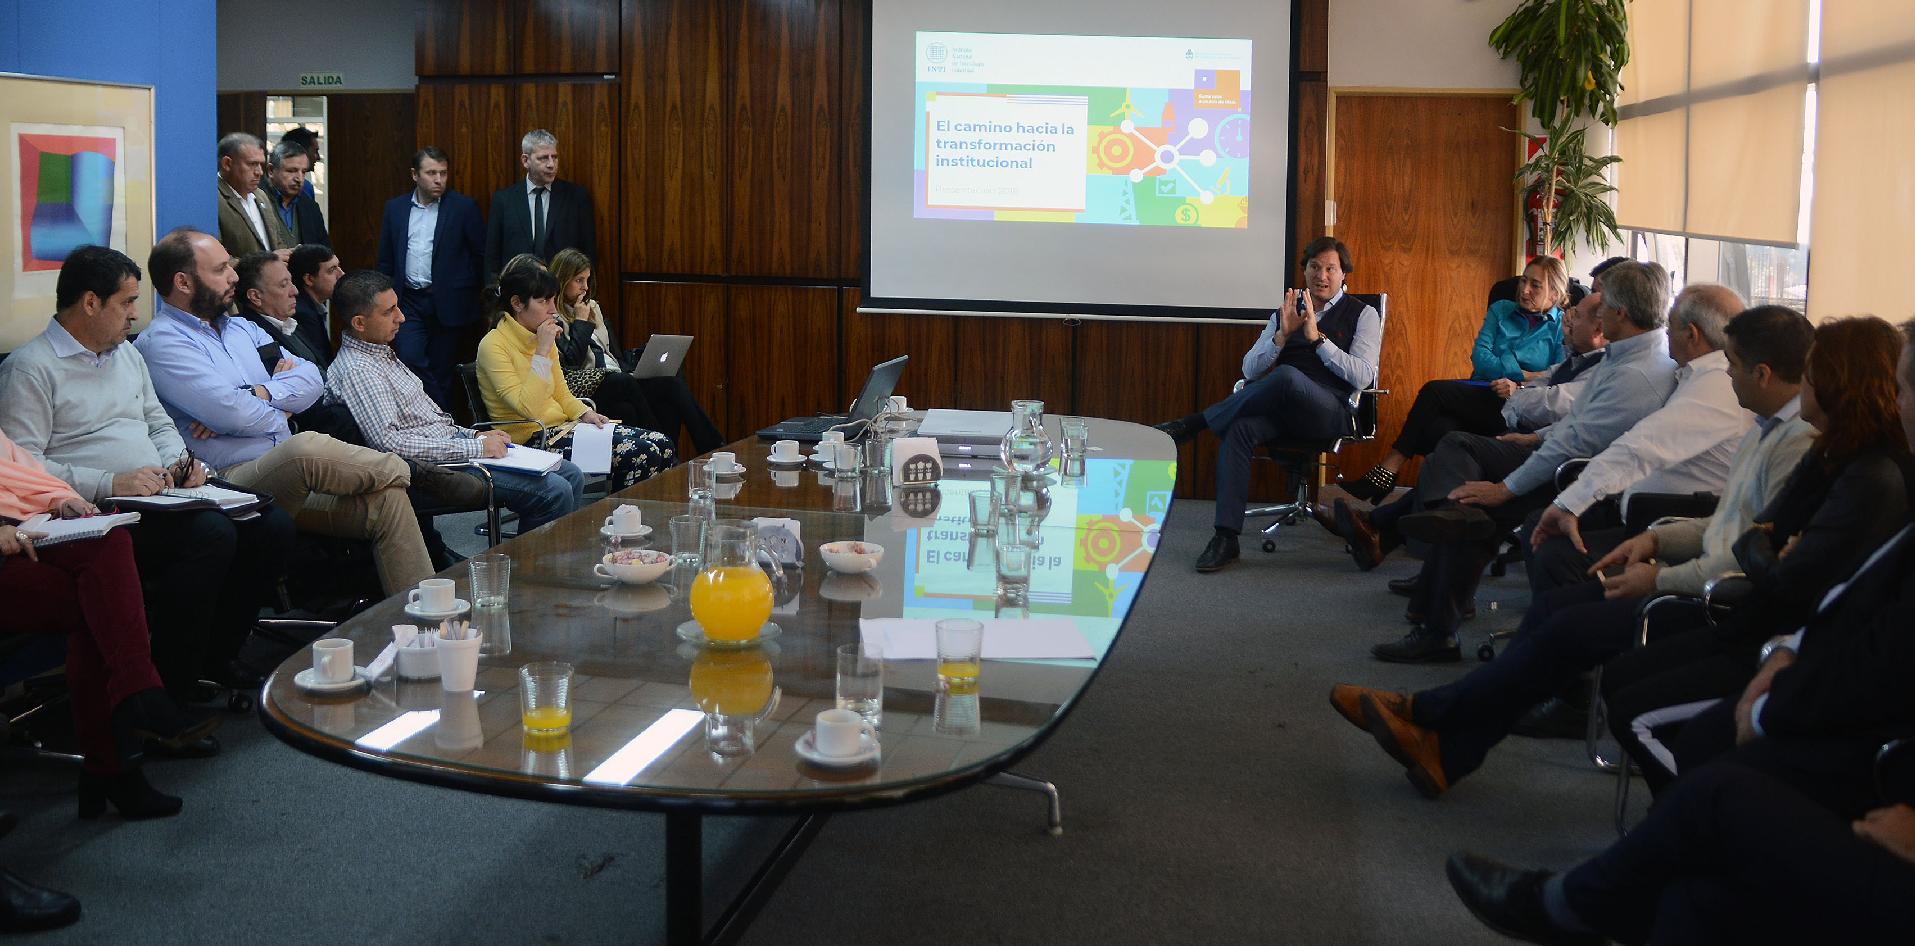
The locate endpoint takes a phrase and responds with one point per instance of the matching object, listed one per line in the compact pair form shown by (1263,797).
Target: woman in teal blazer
(1520,340)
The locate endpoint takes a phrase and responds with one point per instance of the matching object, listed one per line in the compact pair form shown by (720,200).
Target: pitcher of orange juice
(736,692)
(732,598)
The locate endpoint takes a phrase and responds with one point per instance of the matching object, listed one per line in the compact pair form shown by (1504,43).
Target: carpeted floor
(1211,796)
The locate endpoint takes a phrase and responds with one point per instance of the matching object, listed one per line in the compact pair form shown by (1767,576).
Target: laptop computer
(877,389)
(968,433)
(663,356)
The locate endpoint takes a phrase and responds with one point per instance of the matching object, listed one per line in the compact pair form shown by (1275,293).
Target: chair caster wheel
(1486,653)
(241,703)
(1269,545)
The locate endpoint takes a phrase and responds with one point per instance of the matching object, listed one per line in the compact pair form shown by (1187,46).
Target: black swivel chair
(1307,462)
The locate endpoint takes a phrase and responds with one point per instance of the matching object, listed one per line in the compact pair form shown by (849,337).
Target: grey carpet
(1210,796)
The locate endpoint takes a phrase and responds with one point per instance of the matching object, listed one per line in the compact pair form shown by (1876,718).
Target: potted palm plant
(1571,53)
(1573,187)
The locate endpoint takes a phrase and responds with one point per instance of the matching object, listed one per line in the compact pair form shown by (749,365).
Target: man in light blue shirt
(209,372)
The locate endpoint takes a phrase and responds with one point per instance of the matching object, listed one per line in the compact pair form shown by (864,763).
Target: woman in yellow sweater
(519,376)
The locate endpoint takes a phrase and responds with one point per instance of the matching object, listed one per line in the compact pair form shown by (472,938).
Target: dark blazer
(309,221)
(311,316)
(458,252)
(295,344)
(508,228)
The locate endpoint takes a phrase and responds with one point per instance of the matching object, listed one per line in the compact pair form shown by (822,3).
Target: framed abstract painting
(77,168)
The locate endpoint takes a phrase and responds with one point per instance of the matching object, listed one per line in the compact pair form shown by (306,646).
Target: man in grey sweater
(81,402)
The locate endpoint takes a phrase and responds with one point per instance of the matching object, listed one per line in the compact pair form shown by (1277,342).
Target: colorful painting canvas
(68,192)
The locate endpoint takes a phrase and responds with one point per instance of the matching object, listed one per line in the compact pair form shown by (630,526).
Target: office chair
(1307,461)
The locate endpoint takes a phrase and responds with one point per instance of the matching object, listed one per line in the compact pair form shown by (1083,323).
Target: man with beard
(84,406)
(208,373)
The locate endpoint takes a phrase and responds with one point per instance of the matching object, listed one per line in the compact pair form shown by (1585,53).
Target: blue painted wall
(168,44)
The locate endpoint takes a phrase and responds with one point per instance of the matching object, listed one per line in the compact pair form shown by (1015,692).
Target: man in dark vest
(1301,381)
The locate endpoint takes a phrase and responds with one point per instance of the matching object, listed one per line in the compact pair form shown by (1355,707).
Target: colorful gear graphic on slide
(1114,151)
(1171,157)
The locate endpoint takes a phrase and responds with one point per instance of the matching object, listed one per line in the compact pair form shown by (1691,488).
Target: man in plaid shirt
(394,414)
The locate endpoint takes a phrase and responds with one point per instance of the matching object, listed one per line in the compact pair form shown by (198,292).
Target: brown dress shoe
(1347,700)
(1325,517)
(1412,745)
(1366,546)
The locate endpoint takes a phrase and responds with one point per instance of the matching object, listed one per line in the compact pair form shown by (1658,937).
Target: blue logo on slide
(935,52)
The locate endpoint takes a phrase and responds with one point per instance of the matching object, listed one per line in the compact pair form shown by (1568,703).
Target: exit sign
(321,80)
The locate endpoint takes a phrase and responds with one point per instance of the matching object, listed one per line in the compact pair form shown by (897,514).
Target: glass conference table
(639,738)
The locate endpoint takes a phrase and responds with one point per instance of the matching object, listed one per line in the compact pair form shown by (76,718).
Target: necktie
(538,220)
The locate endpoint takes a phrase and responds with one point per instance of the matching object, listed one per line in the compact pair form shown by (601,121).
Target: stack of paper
(524,459)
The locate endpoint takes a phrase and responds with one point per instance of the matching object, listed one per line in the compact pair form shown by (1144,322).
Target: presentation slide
(1122,130)
(1063,159)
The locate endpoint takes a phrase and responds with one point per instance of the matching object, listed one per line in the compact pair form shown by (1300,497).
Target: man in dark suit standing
(431,247)
(286,193)
(315,270)
(541,214)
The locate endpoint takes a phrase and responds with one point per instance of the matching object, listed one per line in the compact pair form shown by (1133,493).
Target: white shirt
(1705,548)
(421,224)
(251,203)
(1686,446)
(532,205)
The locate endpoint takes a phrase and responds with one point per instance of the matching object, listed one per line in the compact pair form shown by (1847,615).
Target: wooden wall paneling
(673,138)
(1140,372)
(695,309)
(1220,351)
(930,379)
(1433,230)
(242,111)
(1313,104)
(468,120)
(782,351)
(371,135)
(785,139)
(583,116)
(461,38)
(568,37)
(1002,359)
(855,131)
(1313,36)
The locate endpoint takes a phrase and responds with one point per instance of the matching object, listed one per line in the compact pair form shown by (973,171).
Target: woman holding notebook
(89,589)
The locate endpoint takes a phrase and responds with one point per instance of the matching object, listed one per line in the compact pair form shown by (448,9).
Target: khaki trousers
(334,488)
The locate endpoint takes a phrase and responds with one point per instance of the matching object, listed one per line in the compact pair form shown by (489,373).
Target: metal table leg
(685,881)
(1027,783)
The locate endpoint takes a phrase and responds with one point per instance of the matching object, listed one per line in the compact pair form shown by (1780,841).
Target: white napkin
(1004,639)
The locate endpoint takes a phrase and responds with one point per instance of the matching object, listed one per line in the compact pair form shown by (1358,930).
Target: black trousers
(1652,694)
(1473,714)
(206,576)
(1736,855)
(1451,572)
(1443,406)
(666,405)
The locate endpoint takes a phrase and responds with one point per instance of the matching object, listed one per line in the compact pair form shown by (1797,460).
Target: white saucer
(304,680)
(737,469)
(459,606)
(798,460)
(607,532)
(868,750)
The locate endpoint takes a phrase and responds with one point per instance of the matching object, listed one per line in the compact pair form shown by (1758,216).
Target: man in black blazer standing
(540,214)
(315,270)
(431,247)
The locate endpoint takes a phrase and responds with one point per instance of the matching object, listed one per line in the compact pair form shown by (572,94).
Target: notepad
(1031,639)
(524,459)
(592,447)
(198,497)
(47,530)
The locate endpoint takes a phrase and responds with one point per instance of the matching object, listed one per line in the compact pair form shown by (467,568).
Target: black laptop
(877,390)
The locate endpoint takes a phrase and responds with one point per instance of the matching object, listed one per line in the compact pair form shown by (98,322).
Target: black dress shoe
(205,747)
(152,716)
(1554,718)
(27,908)
(1510,901)
(1453,523)
(1221,551)
(1407,587)
(1419,646)
(1179,431)
(129,792)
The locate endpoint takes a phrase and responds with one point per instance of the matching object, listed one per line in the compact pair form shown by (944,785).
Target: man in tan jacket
(246,224)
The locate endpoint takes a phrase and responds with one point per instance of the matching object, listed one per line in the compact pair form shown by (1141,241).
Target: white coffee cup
(724,462)
(332,660)
(433,595)
(785,450)
(458,661)
(897,404)
(833,436)
(626,520)
(838,732)
(843,457)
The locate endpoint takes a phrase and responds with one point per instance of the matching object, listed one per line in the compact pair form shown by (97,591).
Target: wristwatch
(1319,341)
(1769,648)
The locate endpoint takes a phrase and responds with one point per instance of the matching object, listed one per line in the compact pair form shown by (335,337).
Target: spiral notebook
(47,530)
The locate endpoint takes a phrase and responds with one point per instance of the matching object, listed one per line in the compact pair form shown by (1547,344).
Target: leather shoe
(1554,718)
(1347,700)
(1419,646)
(152,716)
(1452,523)
(1509,901)
(1179,431)
(1221,551)
(1325,517)
(1411,745)
(1417,617)
(1366,546)
(1407,587)
(205,747)
(27,907)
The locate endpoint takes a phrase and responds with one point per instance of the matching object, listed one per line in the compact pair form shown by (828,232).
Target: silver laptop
(663,356)
(967,433)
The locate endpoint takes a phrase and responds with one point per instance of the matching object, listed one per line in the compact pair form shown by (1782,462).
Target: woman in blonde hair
(597,367)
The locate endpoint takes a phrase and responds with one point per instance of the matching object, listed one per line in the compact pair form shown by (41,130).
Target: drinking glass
(983,512)
(495,631)
(954,712)
(688,539)
(1013,567)
(960,647)
(702,481)
(491,580)
(1076,439)
(545,697)
(861,680)
(1006,485)
(877,452)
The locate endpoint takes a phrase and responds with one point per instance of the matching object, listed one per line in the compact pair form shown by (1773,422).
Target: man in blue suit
(432,245)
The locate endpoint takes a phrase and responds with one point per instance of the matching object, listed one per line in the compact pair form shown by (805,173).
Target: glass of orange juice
(545,697)
(732,598)
(960,649)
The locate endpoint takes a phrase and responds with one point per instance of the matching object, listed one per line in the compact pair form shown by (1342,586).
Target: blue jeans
(1285,403)
(539,499)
